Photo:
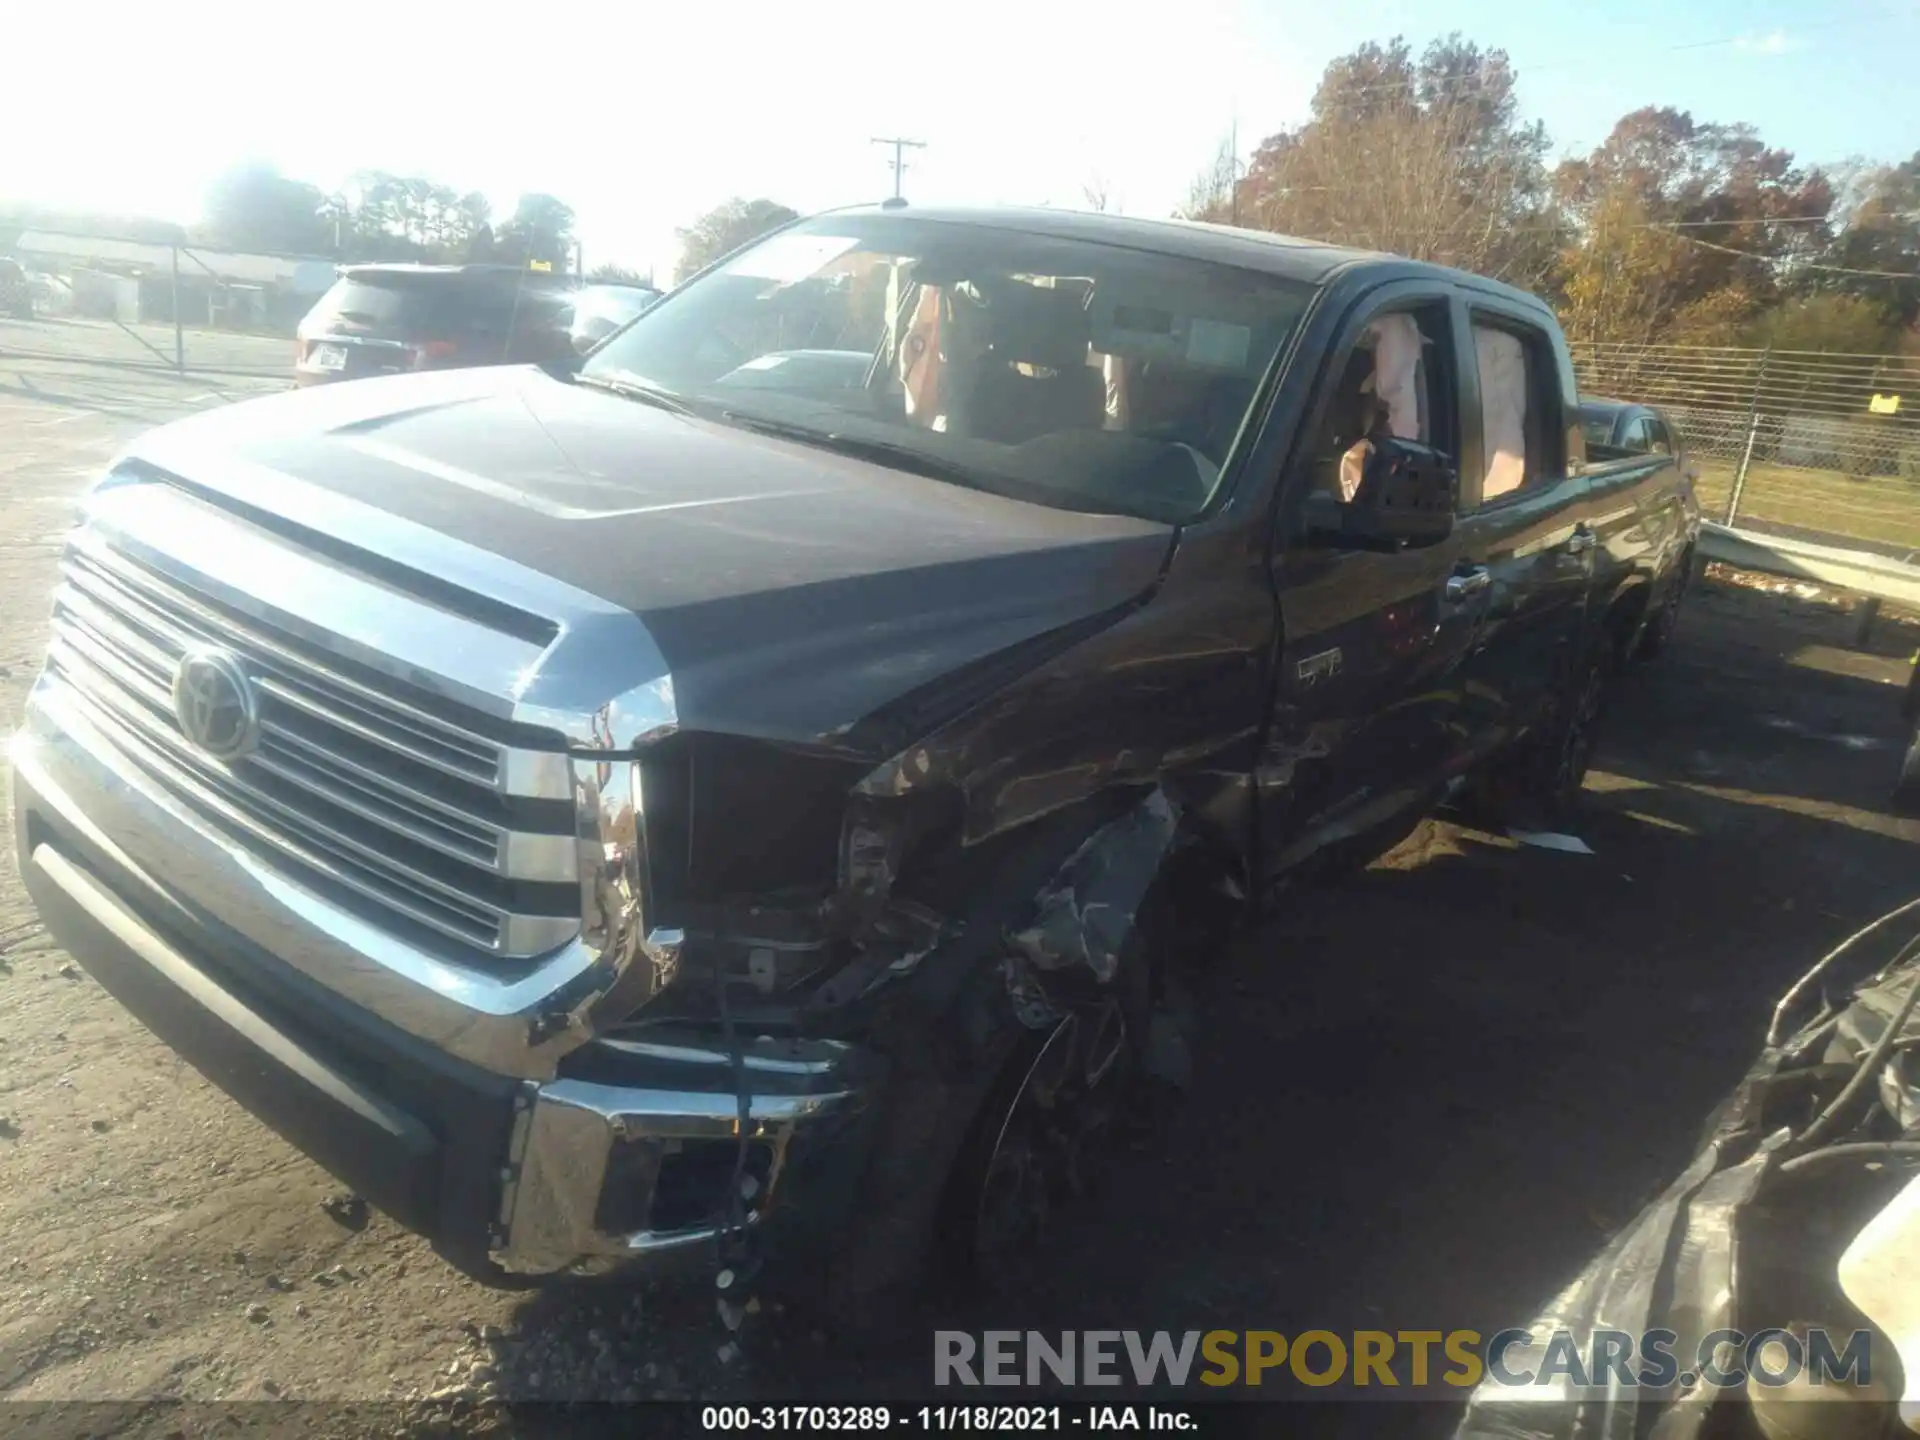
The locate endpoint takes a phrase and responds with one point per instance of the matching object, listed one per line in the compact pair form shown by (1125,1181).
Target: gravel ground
(1422,1098)
(103,343)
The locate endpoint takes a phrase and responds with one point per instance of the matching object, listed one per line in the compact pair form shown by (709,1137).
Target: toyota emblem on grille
(215,704)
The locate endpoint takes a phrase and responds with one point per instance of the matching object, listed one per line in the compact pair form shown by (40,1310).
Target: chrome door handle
(1468,583)
(1581,541)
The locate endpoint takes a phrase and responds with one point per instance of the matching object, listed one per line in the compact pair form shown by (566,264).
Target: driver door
(1365,703)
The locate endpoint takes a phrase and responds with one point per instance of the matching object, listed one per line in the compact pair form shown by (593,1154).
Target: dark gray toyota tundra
(741,792)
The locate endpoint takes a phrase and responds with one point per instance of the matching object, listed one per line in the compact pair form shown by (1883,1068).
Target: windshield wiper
(881,452)
(635,390)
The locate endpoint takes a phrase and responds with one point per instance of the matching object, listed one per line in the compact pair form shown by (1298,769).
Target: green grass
(1824,501)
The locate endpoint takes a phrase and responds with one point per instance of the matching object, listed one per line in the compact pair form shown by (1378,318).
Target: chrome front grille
(413,816)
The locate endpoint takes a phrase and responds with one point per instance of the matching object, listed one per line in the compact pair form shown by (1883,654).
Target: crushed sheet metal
(1032,1006)
(1084,914)
(1643,1280)
(900,936)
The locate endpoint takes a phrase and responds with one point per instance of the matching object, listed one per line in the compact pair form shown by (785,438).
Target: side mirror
(1408,494)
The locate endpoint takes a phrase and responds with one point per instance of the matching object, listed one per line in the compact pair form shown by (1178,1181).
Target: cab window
(1394,382)
(1518,395)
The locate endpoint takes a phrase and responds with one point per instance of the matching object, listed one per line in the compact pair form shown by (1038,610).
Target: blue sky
(642,115)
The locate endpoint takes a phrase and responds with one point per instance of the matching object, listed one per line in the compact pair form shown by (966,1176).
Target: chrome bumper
(508,1162)
(568,1132)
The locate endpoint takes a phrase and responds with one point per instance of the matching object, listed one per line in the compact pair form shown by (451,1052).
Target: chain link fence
(1797,441)
(159,305)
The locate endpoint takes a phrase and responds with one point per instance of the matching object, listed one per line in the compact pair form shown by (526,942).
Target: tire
(1538,785)
(1048,1125)
(936,1131)
(1906,790)
(1662,623)
(1567,751)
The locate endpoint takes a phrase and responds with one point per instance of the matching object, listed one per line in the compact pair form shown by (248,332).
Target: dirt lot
(1422,1098)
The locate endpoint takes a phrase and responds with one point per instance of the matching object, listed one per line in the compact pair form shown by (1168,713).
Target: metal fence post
(179,341)
(1753,434)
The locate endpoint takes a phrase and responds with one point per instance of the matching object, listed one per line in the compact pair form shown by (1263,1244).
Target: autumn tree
(1879,240)
(540,228)
(392,217)
(724,229)
(618,275)
(1422,157)
(254,207)
(1683,231)
(1833,322)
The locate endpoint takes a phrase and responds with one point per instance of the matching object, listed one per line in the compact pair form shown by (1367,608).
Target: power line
(900,147)
(1803,264)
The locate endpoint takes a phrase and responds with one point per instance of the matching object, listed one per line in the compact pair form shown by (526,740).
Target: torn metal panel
(1084,915)
(1145,699)
(1671,1267)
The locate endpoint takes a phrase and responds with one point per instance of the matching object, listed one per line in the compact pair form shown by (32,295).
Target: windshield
(1083,375)
(394,305)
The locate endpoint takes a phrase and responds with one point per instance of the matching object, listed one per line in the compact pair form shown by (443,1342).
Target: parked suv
(741,795)
(389,319)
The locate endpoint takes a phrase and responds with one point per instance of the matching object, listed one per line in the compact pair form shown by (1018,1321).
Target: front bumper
(620,1154)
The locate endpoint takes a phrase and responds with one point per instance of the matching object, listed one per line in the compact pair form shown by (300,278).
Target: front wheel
(1906,790)
(1568,752)
(1538,785)
(1662,623)
(1043,1137)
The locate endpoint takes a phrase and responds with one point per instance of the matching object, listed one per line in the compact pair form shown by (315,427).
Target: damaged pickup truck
(749,784)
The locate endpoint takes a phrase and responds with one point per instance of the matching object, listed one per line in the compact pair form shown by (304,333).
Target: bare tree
(1426,159)
(1098,194)
(1210,197)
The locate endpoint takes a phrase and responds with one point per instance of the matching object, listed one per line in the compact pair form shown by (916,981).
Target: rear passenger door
(1523,534)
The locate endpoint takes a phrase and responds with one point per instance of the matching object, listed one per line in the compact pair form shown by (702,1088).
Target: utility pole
(900,147)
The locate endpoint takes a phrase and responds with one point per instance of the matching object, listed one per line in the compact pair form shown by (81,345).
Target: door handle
(1465,584)
(1581,541)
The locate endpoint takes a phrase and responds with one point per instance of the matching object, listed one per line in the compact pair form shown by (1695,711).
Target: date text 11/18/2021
(944,1419)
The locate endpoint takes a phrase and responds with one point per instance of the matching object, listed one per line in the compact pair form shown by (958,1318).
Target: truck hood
(788,592)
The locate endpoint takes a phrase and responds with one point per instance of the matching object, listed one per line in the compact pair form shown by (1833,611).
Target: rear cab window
(444,304)
(1523,448)
(388,307)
